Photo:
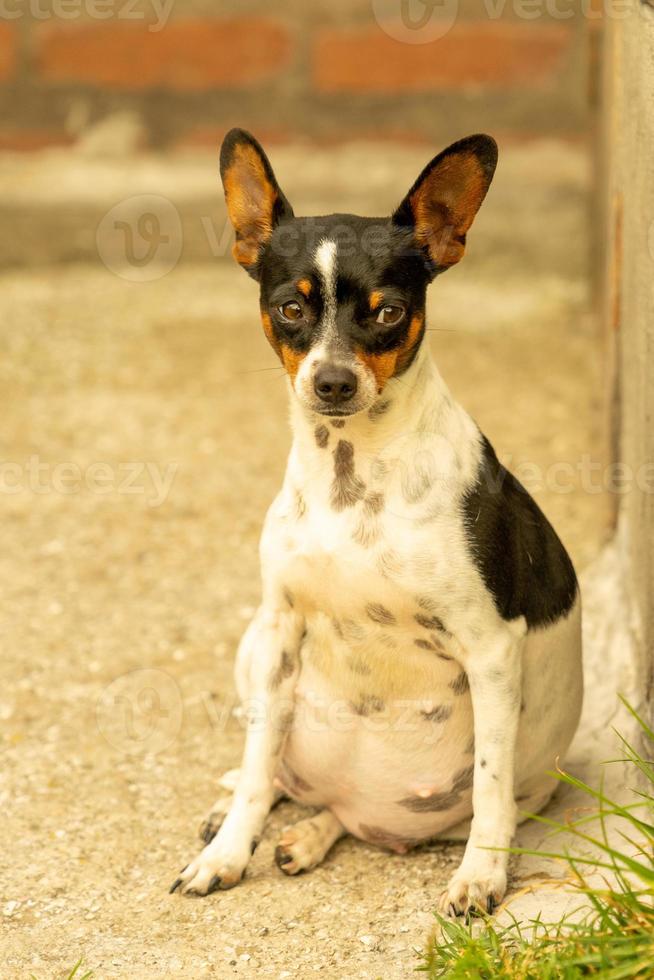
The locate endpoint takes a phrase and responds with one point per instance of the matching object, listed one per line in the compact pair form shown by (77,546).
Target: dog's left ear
(255,202)
(443,202)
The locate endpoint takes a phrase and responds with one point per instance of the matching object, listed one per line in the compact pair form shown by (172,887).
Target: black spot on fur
(368,704)
(347,488)
(440,801)
(300,505)
(338,423)
(483,763)
(426,645)
(441,713)
(378,409)
(322,435)
(380,614)
(519,555)
(288,596)
(430,622)
(282,671)
(460,684)
(374,503)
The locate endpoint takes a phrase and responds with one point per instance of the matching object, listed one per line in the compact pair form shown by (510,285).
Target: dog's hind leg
(306,844)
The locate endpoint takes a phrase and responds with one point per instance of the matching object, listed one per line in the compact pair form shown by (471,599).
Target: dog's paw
(469,893)
(305,844)
(212,870)
(214,819)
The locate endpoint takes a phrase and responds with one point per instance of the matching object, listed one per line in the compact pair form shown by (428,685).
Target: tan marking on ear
(250,198)
(291,359)
(304,287)
(445,204)
(384,366)
(376,299)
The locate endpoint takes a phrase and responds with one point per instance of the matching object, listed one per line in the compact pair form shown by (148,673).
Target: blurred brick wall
(324,70)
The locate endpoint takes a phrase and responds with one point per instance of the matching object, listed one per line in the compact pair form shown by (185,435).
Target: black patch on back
(517,551)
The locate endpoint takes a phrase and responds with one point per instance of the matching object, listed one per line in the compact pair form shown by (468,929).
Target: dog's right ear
(255,203)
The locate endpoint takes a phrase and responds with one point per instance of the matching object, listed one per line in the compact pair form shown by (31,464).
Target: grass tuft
(610,937)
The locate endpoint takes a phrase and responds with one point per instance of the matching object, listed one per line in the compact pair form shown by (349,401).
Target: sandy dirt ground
(143,436)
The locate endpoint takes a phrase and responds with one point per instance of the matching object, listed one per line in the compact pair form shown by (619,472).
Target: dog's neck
(418,404)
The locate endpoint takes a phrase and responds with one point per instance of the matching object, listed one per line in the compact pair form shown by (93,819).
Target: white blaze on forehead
(325,259)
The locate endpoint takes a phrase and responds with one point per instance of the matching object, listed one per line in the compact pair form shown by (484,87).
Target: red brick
(28,140)
(496,55)
(209,137)
(8,50)
(186,55)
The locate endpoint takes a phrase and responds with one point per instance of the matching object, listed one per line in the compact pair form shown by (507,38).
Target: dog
(414,669)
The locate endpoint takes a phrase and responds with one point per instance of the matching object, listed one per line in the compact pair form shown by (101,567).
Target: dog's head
(342,297)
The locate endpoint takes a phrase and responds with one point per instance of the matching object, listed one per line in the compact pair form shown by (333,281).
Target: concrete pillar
(628,304)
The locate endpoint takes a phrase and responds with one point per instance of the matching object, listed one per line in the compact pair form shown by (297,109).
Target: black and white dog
(416,658)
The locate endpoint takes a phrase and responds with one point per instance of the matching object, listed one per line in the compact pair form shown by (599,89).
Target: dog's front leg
(269,710)
(494,674)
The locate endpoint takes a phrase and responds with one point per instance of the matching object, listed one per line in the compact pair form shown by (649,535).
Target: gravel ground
(143,436)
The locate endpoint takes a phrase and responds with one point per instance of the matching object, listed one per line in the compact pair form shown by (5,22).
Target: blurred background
(144,424)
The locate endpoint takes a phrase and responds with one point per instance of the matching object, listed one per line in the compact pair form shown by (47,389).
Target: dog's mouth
(337,413)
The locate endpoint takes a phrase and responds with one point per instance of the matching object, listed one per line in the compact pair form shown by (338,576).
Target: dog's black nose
(335,385)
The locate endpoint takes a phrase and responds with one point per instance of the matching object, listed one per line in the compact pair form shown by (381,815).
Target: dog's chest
(344,561)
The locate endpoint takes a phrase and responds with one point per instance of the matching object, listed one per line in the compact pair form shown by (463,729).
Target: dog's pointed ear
(443,202)
(255,203)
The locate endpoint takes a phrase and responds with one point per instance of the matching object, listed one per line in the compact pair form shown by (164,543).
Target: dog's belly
(382,737)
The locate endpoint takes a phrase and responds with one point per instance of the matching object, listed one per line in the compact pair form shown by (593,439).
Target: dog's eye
(290,311)
(390,316)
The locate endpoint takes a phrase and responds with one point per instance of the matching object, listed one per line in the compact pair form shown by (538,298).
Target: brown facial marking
(268,330)
(445,204)
(291,359)
(304,287)
(376,299)
(250,201)
(384,366)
